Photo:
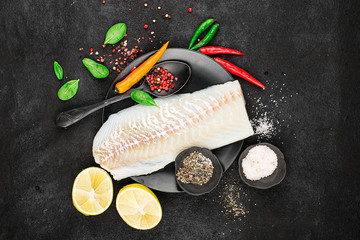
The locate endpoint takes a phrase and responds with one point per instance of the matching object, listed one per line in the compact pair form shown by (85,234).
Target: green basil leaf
(58,70)
(115,33)
(96,69)
(143,98)
(68,90)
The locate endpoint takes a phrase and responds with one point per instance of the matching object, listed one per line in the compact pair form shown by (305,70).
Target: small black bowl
(194,189)
(267,182)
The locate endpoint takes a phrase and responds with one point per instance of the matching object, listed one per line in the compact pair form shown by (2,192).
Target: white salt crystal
(260,162)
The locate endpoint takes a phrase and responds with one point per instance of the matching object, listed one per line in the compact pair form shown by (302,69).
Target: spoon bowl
(179,69)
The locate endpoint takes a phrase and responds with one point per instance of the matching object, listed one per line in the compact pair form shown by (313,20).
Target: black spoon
(179,69)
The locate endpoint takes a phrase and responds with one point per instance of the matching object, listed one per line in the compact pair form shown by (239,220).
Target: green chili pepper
(210,35)
(201,29)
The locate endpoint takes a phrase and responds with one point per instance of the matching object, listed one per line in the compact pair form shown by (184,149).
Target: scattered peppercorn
(190,10)
(146,26)
(165,15)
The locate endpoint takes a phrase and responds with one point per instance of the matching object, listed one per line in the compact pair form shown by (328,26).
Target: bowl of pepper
(262,166)
(198,171)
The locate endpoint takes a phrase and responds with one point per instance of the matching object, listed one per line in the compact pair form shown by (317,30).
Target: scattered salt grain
(264,127)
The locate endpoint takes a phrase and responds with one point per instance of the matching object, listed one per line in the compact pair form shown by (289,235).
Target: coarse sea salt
(260,162)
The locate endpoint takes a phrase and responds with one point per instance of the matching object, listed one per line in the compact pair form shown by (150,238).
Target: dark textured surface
(305,52)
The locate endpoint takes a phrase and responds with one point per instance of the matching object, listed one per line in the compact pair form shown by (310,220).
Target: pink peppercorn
(146,26)
(160,79)
(190,10)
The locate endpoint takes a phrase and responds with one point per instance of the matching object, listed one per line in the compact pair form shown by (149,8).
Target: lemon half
(138,206)
(92,192)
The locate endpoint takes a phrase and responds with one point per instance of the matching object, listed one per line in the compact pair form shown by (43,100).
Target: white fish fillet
(143,139)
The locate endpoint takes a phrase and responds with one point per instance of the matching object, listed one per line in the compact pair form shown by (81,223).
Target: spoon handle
(72,116)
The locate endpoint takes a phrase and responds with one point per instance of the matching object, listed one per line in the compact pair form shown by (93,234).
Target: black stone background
(305,51)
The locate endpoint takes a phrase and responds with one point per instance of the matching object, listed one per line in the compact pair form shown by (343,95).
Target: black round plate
(204,72)
(267,182)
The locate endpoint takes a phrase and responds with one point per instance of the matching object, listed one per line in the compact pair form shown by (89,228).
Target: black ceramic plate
(205,72)
(267,182)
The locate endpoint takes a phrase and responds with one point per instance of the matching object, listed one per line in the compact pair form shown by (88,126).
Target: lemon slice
(138,206)
(92,191)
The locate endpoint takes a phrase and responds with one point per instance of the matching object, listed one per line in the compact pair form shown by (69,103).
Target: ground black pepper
(197,169)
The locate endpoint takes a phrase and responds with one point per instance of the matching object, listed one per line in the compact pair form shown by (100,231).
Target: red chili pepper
(211,50)
(238,72)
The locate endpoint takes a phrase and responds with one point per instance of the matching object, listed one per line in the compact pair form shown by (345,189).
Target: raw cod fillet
(143,139)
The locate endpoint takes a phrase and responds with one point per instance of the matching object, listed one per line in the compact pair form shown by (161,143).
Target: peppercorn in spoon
(165,79)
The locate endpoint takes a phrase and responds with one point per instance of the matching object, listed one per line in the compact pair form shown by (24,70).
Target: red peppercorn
(146,26)
(91,49)
(160,79)
(190,10)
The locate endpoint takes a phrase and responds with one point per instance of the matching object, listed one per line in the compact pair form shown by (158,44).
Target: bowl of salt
(262,166)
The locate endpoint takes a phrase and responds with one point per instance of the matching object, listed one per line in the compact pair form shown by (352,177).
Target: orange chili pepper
(139,72)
